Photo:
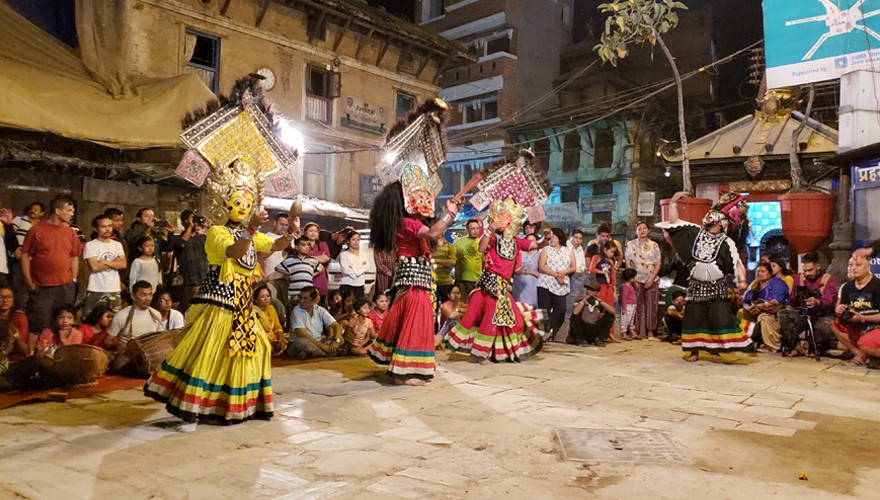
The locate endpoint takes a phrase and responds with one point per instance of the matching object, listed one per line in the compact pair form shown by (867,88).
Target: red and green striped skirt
(406,341)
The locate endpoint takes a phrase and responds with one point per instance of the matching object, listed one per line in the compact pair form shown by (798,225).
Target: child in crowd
(628,305)
(95,326)
(359,330)
(61,333)
(300,268)
(450,312)
(675,316)
(604,266)
(377,315)
(146,267)
(334,303)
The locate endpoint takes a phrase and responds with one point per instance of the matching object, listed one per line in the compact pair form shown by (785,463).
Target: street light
(292,137)
(668,172)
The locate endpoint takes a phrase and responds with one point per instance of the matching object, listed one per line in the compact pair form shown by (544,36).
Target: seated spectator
(171,318)
(450,312)
(814,295)
(300,268)
(334,302)
(18,322)
(858,312)
(377,315)
(269,320)
(96,325)
(8,342)
(132,322)
(591,319)
(765,297)
(60,333)
(359,330)
(781,271)
(314,332)
(675,316)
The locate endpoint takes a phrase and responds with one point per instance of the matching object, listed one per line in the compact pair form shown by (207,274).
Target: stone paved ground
(744,431)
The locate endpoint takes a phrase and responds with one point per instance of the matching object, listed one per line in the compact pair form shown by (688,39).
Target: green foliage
(634,22)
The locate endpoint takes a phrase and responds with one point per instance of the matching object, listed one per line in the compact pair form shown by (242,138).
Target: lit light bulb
(667,173)
(390,157)
(292,137)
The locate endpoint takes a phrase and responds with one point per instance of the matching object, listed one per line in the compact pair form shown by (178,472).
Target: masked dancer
(709,323)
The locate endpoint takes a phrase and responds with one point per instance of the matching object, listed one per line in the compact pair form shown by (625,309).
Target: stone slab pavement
(745,430)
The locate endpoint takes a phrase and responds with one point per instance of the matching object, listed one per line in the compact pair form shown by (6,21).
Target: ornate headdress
(415,149)
(517,180)
(235,144)
(731,212)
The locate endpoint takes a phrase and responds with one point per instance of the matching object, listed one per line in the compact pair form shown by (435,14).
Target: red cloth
(378,320)
(19,319)
(50,247)
(494,263)
(319,281)
(870,340)
(91,337)
(408,242)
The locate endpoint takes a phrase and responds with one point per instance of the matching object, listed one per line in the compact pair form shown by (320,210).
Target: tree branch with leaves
(637,22)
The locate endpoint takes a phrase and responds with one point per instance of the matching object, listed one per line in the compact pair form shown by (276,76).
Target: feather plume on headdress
(419,139)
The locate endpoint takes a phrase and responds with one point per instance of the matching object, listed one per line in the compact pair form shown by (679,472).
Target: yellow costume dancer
(221,369)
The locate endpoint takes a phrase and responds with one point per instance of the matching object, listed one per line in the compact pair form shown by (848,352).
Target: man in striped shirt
(300,268)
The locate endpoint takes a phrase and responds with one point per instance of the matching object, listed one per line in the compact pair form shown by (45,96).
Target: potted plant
(807,212)
(637,22)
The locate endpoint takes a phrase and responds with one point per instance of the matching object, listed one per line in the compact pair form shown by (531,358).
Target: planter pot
(806,220)
(689,209)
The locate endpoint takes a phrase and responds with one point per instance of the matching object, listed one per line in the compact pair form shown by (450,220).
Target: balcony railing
(319,109)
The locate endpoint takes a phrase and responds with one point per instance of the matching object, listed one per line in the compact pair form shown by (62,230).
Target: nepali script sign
(867,176)
(814,40)
(360,115)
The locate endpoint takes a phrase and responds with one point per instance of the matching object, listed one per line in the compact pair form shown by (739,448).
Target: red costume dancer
(406,340)
(493,329)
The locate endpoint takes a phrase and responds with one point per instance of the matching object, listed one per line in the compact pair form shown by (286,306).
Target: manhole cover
(617,445)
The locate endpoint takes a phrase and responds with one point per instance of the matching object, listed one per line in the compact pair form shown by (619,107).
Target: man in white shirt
(105,258)
(277,281)
(314,332)
(132,322)
(579,278)
(22,224)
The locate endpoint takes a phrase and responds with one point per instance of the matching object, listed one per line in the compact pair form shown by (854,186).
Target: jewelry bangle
(447,219)
(247,235)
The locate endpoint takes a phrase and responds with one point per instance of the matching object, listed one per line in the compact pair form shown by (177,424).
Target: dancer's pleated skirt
(406,341)
(477,334)
(712,327)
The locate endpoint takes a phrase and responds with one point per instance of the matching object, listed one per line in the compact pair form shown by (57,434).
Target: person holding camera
(591,318)
(815,293)
(189,251)
(146,224)
(858,312)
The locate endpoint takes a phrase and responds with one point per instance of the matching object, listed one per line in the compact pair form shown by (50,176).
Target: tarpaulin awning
(45,87)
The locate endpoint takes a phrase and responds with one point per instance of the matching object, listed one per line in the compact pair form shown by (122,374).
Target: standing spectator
(333,241)
(105,258)
(384,262)
(170,319)
(604,266)
(468,258)
(320,251)
(50,263)
(555,265)
(444,259)
(117,219)
(147,225)
(314,332)
(643,255)
(61,332)
(8,242)
(33,213)
(628,305)
(603,234)
(858,311)
(377,315)
(277,281)
(96,325)
(191,255)
(145,267)
(300,269)
(530,227)
(525,279)
(765,297)
(132,322)
(353,266)
(579,278)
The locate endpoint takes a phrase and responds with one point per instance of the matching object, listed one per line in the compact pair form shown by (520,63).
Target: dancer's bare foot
(693,358)
(486,362)
(415,382)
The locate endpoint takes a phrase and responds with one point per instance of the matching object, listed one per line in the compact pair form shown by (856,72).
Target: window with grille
(571,154)
(203,59)
(604,148)
(405,103)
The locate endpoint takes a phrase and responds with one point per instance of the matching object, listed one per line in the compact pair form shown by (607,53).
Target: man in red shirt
(50,263)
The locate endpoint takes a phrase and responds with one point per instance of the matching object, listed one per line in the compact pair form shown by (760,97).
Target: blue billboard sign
(814,40)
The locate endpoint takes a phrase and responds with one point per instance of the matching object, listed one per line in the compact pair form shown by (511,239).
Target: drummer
(134,321)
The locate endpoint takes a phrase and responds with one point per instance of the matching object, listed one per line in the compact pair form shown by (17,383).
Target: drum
(148,351)
(80,364)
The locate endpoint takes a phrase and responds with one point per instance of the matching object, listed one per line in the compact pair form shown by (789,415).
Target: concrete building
(340,71)
(516,46)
